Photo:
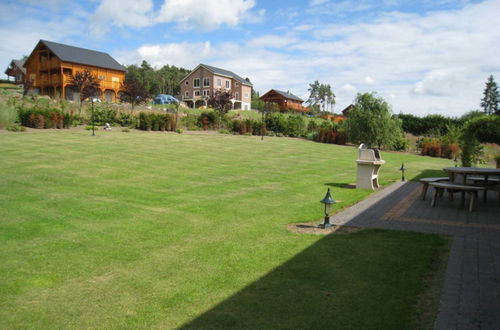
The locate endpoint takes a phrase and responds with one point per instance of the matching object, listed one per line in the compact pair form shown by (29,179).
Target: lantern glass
(328,209)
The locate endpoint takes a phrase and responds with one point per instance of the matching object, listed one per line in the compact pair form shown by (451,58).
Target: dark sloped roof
(83,56)
(19,64)
(227,73)
(289,95)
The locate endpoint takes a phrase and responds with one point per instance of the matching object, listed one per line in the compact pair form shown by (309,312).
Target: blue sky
(421,56)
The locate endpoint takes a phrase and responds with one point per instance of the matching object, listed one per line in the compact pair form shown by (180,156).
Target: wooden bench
(491,183)
(425,182)
(439,187)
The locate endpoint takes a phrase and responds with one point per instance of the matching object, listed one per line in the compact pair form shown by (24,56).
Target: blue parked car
(164,99)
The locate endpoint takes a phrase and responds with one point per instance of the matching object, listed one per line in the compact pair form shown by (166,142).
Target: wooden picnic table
(465,171)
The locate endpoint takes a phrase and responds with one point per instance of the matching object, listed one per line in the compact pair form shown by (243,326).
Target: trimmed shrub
(103,114)
(207,120)
(401,144)
(16,128)
(276,122)
(151,121)
(44,118)
(432,148)
(190,121)
(125,119)
(295,126)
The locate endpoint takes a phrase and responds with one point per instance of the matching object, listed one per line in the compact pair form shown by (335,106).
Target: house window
(237,95)
(186,94)
(246,95)
(102,77)
(115,79)
(196,93)
(236,84)
(228,84)
(206,82)
(206,92)
(219,83)
(196,82)
(187,82)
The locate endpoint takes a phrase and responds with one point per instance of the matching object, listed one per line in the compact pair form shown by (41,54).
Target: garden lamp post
(402,169)
(328,201)
(93,125)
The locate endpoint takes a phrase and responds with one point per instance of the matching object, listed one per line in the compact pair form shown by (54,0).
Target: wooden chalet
(16,70)
(346,111)
(51,65)
(285,100)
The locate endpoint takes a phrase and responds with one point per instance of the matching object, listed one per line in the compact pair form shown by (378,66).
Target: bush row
(276,124)
(430,124)
(151,121)
(44,118)
(436,147)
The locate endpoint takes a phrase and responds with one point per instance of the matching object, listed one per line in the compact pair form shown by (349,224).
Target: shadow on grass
(367,279)
(341,185)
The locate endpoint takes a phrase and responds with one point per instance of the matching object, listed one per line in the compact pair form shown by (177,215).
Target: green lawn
(163,230)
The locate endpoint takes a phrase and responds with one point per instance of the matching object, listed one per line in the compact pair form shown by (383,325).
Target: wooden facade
(285,100)
(17,71)
(50,75)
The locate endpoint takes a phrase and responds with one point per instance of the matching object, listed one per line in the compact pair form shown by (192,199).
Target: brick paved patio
(471,292)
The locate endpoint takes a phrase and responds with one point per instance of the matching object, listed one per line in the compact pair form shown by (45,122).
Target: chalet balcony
(49,64)
(49,80)
(194,98)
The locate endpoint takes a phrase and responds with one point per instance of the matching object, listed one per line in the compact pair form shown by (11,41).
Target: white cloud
(132,13)
(304,27)
(188,14)
(186,55)
(348,88)
(207,14)
(19,37)
(369,80)
(272,41)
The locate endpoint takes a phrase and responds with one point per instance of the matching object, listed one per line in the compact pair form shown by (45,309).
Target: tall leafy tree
(88,85)
(164,80)
(257,103)
(491,98)
(370,122)
(321,96)
(133,92)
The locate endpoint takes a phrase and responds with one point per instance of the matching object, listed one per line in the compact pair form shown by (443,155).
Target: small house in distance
(16,69)
(205,80)
(285,100)
(51,66)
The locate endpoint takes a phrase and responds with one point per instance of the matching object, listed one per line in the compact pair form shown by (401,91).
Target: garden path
(471,293)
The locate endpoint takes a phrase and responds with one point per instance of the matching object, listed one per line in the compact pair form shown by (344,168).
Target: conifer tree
(491,97)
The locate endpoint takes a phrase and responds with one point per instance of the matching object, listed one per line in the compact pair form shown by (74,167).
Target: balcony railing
(49,64)
(49,80)
(195,98)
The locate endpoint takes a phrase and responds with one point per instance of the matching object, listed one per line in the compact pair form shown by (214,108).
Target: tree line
(164,80)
